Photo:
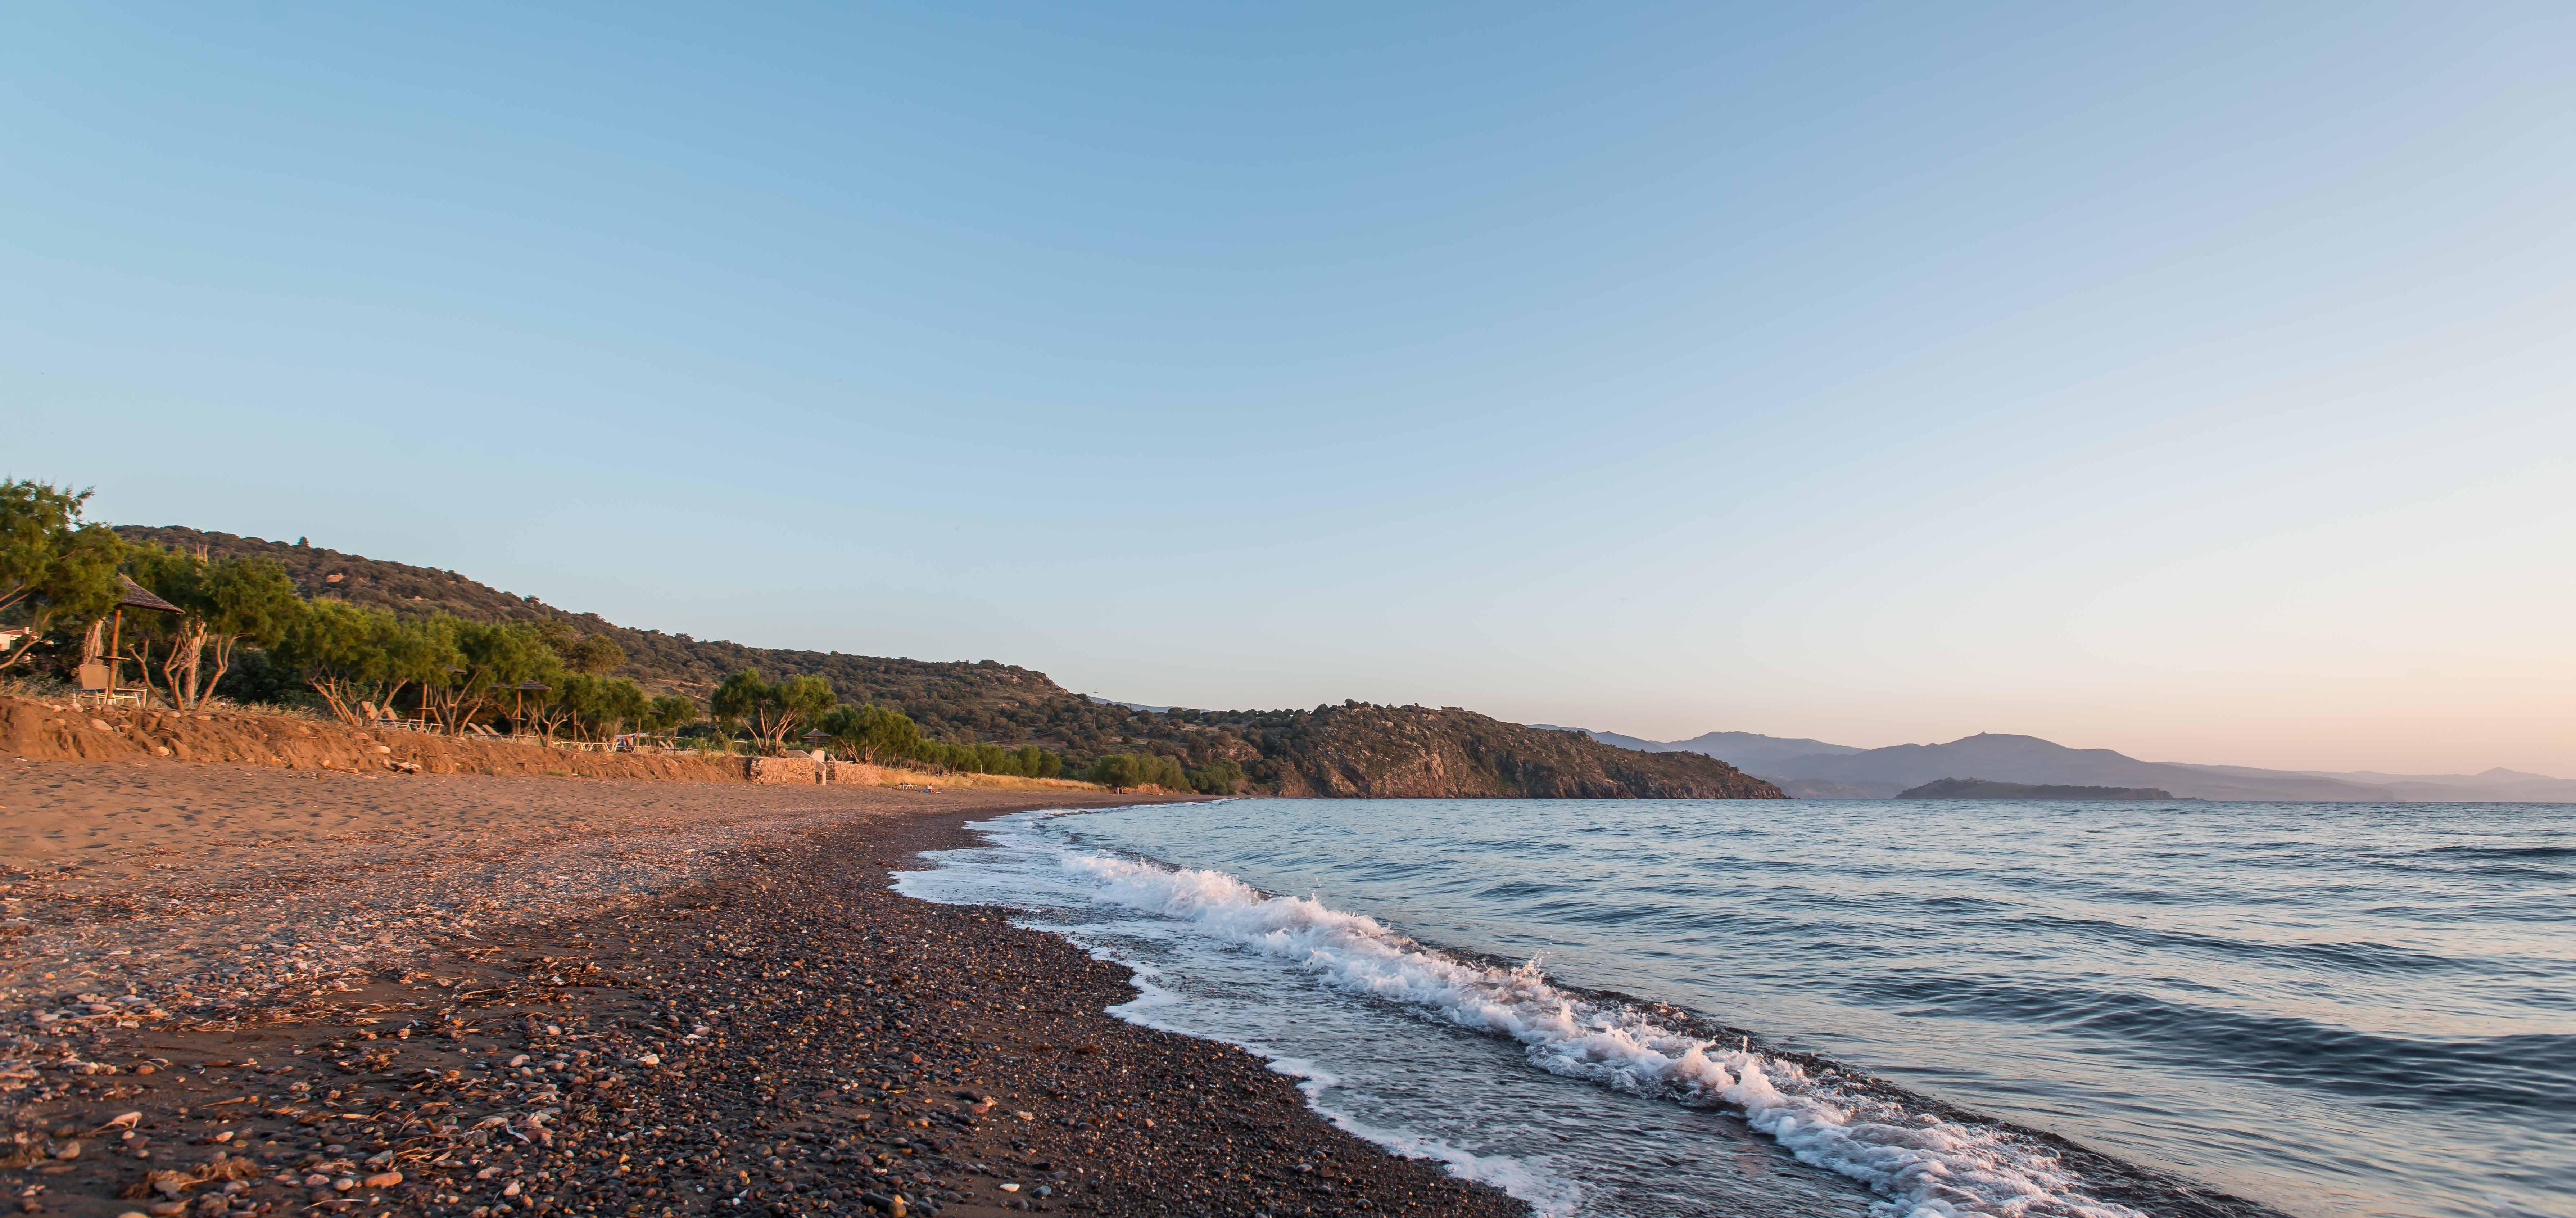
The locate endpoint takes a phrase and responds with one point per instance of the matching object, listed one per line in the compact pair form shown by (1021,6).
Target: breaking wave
(1924,1164)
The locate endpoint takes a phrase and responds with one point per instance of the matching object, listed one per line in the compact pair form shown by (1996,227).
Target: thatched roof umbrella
(136,596)
(129,595)
(522,690)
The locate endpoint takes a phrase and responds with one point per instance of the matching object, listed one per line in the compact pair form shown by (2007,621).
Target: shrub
(1120,771)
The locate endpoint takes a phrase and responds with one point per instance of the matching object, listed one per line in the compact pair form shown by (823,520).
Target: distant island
(1978,788)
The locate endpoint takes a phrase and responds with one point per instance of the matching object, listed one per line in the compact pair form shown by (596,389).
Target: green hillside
(1354,749)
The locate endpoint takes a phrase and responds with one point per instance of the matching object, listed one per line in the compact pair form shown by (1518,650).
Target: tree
(1218,777)
(221,605)
(872,733)
(802,700)
(1036,762)
(1122,771)
(563,702)
(492,662)
(669,712)
(558,636)
(417,654)
(771,712)
(620,705)
(594,654)
(1028,760)
(53,568)
(739,696)
(441,662)
(350,655)
(592,708)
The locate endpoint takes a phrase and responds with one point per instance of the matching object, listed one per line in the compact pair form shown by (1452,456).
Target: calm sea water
(1806,1008)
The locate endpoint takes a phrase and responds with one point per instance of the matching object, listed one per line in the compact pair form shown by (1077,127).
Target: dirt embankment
(49,731)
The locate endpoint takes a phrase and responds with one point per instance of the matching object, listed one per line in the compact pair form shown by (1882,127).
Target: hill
(1835,771)
(1978,788)
(1361,750)
(1750,751)
(2029,759)
(1354,749)
(957,700)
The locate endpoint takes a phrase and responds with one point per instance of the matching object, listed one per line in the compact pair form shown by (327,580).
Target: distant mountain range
(1813,769)
(1758,751)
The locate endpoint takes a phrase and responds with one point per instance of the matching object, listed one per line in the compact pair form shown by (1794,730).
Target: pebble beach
(234,992)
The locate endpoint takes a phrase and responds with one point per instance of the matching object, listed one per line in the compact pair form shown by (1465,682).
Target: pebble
(844,1048)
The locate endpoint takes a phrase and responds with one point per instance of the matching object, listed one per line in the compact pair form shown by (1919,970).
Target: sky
(2190,380)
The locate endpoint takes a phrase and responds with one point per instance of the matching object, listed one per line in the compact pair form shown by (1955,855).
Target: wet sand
(316,991)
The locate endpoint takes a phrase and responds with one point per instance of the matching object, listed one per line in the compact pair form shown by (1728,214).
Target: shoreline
(2104,1176)
(309,988)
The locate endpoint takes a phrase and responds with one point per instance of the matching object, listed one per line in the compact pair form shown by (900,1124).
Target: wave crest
(1924,1164)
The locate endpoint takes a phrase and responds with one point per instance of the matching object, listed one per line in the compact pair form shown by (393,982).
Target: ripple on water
(2338,1008)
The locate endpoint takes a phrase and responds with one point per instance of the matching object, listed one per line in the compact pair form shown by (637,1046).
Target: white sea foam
(1923,1165)
(1548,1196)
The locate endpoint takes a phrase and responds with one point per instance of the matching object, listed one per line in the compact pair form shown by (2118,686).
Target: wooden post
(115,639)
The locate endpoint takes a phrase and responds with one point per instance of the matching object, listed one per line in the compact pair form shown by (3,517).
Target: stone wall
(789,770)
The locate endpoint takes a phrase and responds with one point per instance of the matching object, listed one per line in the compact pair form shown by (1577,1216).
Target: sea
(1866,1007)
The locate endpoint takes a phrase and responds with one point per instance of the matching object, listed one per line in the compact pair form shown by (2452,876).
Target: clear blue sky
(2189,380)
